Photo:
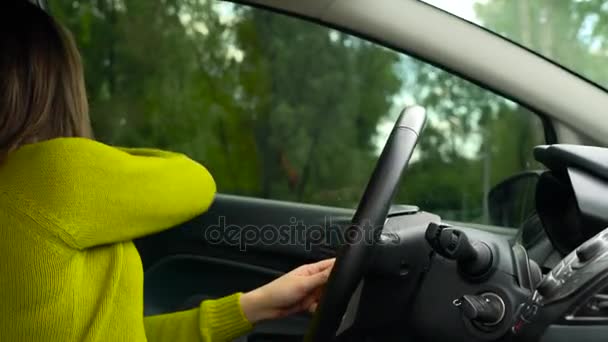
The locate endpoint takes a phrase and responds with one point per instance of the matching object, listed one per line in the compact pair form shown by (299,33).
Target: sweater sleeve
(214,321)
(98,194)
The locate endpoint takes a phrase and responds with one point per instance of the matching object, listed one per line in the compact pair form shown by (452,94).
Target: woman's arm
(97,194)
(214,321)
(227,318)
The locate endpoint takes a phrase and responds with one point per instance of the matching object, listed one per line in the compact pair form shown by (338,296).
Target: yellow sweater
(69,208)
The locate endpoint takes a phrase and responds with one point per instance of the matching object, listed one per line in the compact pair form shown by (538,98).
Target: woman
(70,206)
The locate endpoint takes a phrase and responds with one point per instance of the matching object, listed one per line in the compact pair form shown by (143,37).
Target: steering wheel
(366,226)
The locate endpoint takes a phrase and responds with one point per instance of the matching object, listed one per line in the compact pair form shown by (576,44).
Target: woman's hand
(294,292)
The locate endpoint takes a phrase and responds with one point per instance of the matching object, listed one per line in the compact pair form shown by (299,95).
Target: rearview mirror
(513,201)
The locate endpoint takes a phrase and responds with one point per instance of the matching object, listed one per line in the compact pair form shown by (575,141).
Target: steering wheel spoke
(364,232)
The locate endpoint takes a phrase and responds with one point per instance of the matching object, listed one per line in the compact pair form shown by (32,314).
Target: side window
(281,108)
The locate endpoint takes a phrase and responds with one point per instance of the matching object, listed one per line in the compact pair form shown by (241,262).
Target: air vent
(595,310)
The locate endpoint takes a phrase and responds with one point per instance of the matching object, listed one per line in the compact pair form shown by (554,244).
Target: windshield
(572,33)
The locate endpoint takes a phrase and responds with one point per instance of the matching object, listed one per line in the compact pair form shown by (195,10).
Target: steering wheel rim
(366,226)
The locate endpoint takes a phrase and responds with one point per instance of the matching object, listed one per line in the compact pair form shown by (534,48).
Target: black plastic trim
(561,156)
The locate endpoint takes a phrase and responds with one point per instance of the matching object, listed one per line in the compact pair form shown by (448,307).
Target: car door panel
(182,267)
(244,213)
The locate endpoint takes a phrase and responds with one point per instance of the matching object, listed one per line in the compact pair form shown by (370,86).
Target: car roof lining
(449,42)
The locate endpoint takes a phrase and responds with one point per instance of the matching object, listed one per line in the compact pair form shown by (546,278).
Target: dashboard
(431,280)
(434,281)
(572,196)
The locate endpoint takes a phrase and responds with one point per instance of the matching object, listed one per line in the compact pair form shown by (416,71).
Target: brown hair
(42,89)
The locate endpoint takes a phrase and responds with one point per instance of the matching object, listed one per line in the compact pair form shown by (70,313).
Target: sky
(461,8)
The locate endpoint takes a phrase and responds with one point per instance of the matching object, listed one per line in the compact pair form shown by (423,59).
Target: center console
(572,298)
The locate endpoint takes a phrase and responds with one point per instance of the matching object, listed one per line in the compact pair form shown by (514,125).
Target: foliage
(574,33)
(280,108)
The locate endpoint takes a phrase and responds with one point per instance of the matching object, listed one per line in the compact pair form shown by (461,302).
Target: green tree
(275,107)
(473,140)
(317,97)
(573,33)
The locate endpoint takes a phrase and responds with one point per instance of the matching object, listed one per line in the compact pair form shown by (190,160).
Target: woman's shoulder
(72,155)
(59,151)
(92,190)
(70,163)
